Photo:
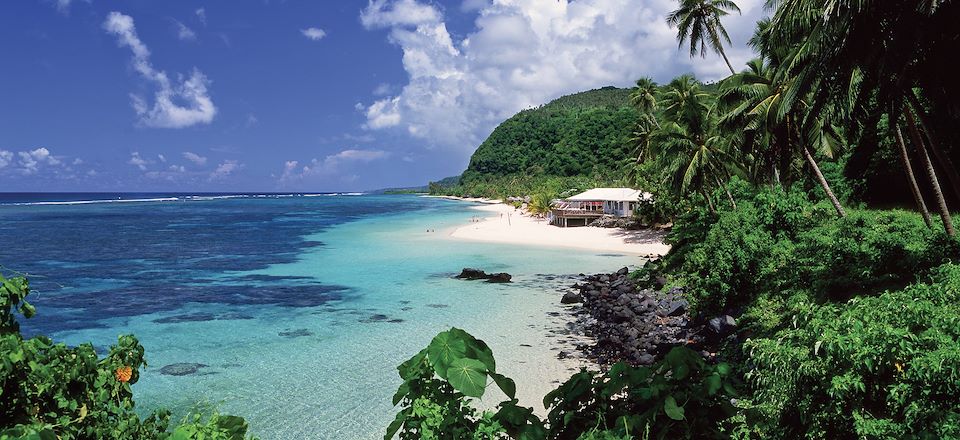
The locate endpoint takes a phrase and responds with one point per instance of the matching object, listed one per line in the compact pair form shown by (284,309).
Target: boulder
(623,271)
(659,282)
(571,298)
(722,325)
(501,277)
(472,274)
(674,308)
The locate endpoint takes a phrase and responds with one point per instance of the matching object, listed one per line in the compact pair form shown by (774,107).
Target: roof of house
(610,194)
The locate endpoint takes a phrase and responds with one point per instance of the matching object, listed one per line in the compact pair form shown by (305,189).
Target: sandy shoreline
(506,224)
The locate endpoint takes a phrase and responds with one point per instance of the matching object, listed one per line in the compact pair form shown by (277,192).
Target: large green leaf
(713,383)
(476,348)
(443,350)
(670,407)
(233,426)
(402,392)
(396,424)
(413,366)
(506,384)
(468,376)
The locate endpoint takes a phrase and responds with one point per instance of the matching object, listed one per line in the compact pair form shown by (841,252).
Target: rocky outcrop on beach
(639,325)
(476,274)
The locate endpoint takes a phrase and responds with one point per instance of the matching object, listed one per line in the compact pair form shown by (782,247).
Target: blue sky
(234,95)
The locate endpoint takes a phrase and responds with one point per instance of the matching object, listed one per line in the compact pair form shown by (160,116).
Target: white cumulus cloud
(523,53)
(30,162)
(138,161)
(6,157)
(201,14)
(195,158)
(180,103)
(184,33)
(313,33)
(329,165)
(225,169)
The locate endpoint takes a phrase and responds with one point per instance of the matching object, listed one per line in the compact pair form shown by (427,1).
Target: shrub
(874,367)
(778,243)
(680,397)
(52,391)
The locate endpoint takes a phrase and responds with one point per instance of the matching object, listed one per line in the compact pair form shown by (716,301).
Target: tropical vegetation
(779,181)
(53,391)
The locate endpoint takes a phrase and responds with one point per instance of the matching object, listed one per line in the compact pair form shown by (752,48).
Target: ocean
(297,306)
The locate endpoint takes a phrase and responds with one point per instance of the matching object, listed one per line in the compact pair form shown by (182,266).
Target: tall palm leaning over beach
(699,21)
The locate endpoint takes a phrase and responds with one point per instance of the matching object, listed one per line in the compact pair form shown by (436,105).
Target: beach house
(583,208)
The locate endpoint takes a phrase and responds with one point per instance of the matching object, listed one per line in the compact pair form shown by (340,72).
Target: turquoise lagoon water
(299,307)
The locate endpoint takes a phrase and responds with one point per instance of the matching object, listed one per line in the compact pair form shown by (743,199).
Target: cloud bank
(523,53)
(330,165)
(37,162)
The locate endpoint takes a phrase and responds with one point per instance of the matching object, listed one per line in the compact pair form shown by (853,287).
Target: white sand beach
(503,223)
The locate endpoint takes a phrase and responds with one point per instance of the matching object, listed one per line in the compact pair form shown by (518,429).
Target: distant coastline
(86,198)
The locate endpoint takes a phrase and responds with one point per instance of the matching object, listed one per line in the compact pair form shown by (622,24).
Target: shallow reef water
(290,311)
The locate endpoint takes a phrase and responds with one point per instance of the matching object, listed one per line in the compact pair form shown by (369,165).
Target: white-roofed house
(581,209)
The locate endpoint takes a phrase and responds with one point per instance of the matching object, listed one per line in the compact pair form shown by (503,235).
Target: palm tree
(756,114)
(877,52)
(911,177)
(699,21)
(688,146)
(931,174)
(644,99)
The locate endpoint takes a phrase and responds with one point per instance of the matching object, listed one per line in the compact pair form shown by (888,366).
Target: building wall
(619,209)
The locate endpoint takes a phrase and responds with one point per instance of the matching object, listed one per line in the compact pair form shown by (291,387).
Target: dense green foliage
(51,391)
(678,397)
(579,139)
(875,367)
(854,330)
(777,241)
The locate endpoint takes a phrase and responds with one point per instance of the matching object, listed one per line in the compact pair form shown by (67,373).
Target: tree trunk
(713,210)
(914,188)
(945,163)
(823,182)
(726,190)
(931,174)
(785,156)
(724,55)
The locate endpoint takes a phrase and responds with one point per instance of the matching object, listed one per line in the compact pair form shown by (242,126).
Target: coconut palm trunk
(823,182)
(713,210)
(733,203)
(931,174)
(914,188)
(942,158)
(725,59)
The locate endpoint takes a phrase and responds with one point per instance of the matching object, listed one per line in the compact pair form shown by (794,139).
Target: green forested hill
(576,137)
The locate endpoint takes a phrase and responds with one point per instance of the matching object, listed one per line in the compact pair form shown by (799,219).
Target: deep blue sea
(299,307)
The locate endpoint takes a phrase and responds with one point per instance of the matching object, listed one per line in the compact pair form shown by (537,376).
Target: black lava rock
(476,274)
(722,325)
(571,298)
(472,274)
